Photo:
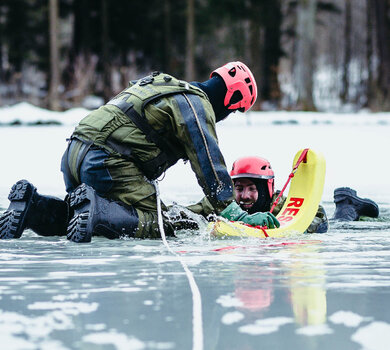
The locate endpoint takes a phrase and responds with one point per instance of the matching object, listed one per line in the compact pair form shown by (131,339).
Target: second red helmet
(256,168)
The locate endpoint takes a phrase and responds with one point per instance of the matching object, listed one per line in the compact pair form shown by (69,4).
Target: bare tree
(105,59)
(369,49)
(168,64)
(54,102)
(347,52)
(255,39)
(305,53)
(382,90)
(190,42)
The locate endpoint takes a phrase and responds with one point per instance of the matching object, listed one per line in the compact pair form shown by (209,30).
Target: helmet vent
(236,97)
(247,80)
(263,167)
(232,72)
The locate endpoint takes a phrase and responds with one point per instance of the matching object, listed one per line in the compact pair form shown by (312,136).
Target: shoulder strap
(142,123)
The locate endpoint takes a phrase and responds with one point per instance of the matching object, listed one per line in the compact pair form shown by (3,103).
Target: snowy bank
(27,114)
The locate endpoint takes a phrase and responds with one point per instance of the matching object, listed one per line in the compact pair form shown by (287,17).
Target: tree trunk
(107,93)
(272,52)
(54,102)
(383,40)
(255,41)
(369,50)
(168,64)
(347,52)
(190,42)
(2,55)
(304,67)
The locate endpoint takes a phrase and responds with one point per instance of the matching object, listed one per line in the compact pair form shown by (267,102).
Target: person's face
(246,193)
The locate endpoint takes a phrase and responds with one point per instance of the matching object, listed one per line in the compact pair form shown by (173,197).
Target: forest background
(308,55)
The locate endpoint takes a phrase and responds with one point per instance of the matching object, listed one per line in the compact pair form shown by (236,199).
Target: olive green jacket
(182,115)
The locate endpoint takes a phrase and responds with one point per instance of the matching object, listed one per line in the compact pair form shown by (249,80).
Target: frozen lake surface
(329,291)
(326,291)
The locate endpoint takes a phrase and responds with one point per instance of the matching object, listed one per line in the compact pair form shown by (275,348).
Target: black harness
(170,153)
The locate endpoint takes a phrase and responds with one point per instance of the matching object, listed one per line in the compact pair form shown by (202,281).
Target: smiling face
(246,193)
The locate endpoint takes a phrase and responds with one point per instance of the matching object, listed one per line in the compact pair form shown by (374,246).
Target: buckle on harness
(184,84)
(146,80)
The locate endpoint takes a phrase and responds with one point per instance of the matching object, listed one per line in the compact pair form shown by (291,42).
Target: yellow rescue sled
(300,207)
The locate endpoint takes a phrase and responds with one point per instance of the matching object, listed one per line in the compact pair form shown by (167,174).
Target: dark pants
(91,171)
(114,178)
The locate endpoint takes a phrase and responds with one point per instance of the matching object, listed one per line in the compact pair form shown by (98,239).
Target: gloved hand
(235,213)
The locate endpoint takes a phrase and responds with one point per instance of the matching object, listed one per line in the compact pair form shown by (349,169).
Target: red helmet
(254,167)
(238,77)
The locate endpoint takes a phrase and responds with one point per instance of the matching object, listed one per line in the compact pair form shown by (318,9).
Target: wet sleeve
(197,133)
(280,204)
(320,222)
(203,207)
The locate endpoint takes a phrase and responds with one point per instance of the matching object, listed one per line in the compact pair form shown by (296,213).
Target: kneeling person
(118,150)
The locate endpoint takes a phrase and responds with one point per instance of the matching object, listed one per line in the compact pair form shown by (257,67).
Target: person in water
(253,179)
(117,151)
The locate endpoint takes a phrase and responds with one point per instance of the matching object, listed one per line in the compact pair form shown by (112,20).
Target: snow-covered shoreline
(27,114)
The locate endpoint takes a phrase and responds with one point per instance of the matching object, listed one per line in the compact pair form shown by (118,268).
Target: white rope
(197,324)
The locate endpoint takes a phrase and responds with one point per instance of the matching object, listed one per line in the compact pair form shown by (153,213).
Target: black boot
(45,215)
(349,207)
(98,216)
(49,216)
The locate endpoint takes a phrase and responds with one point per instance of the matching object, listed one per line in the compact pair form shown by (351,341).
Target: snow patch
(120,341)
(69,308)
(232,317)
(313,330)
(229,301)
(16,328)
(346,318)
(266,326)
(375,336)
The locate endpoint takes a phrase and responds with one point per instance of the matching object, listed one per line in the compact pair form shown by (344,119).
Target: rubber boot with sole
(349,207)
(98,216)
(45,215)
(13,220)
